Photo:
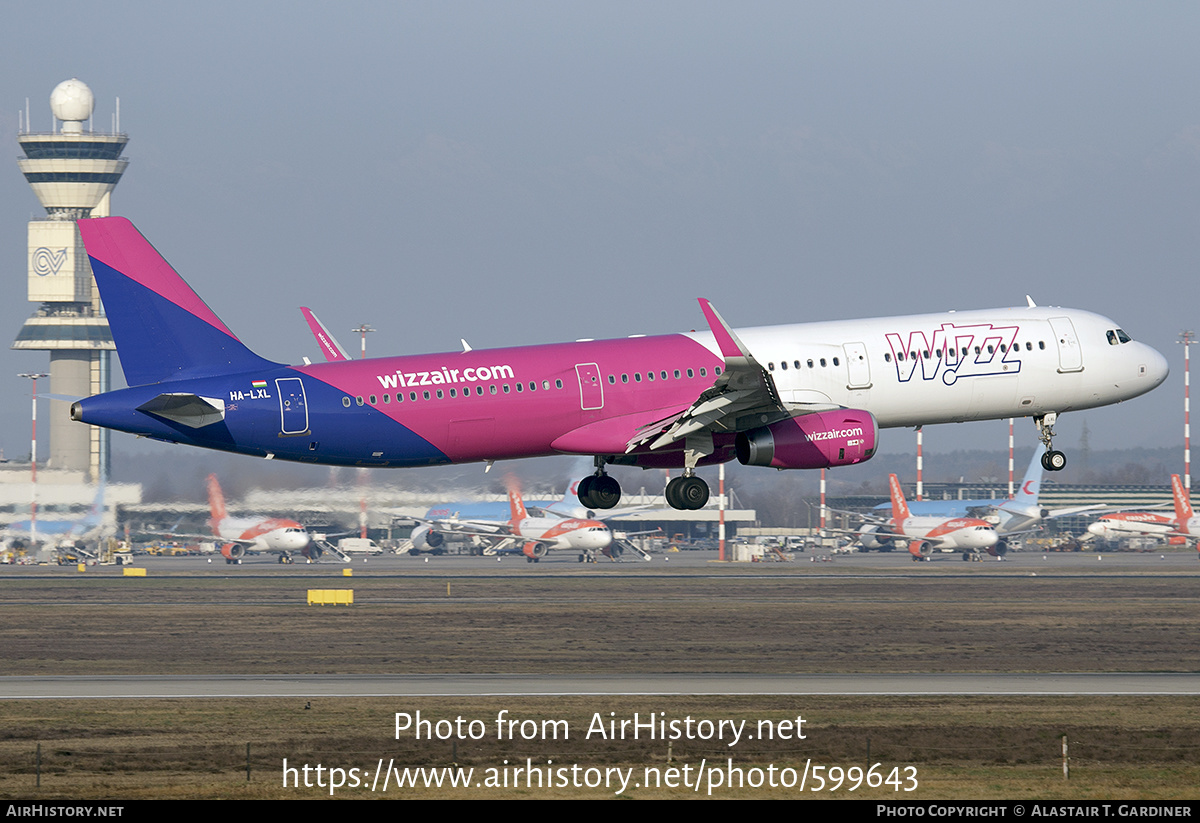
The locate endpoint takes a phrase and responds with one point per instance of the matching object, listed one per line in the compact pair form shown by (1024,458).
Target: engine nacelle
(535,551)
(233,551)
(841,437)
(920,548)
(426,538)
(870,538)
(999,549)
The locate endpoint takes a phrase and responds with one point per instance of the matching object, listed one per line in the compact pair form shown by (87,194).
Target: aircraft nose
(1155,366)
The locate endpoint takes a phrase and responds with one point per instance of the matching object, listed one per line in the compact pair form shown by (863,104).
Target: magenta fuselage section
(587,397)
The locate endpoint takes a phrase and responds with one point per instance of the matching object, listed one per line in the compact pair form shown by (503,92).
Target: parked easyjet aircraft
(1184,527)
(531,535)
(790,397)
(264,534)
(926,533)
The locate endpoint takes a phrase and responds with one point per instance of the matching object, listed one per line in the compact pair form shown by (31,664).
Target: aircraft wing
(468,528)
(743,389)
(204,538)
(1067,512)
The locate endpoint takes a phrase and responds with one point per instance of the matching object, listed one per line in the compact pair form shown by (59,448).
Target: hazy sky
(532,172)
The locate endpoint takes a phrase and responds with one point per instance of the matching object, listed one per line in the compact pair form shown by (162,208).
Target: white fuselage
(270,534)
(957,533)
(1143,524)
(911,371)
(564,532)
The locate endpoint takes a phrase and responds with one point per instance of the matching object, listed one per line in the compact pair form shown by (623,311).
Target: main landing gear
(599,490)
(1052,460)
(688,493)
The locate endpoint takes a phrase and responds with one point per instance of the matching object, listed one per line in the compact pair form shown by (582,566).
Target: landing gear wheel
(584,491)
(1054,461)
(687,493)
(604,491)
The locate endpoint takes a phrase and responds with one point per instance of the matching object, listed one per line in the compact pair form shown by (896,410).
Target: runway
(485,685)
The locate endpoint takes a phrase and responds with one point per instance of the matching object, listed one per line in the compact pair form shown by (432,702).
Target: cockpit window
(1123,337)
(1117,336)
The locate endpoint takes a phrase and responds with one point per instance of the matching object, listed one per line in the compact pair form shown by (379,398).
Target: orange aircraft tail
(1183,506)
(899,506)
(216,504)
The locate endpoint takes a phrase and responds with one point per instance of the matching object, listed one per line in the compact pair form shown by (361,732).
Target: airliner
(928,532)
(1181,529)
(802,396)
(531,535)
(276,535)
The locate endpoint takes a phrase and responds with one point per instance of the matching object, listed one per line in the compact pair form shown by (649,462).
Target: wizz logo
(956,351)
(48,261)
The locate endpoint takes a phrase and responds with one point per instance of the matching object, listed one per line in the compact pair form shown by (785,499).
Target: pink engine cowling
(819,440)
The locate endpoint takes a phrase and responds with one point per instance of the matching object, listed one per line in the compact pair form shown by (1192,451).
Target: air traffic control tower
(73,171)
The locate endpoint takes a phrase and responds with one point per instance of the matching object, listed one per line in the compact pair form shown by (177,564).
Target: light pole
(33,462)
(363,329)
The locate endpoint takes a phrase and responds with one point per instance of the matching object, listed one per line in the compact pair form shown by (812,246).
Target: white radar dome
(72,100)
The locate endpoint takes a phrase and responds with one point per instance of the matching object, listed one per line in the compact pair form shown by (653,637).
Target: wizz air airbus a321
(803,396)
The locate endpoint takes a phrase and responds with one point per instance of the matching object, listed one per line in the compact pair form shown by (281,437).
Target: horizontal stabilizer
(189,410)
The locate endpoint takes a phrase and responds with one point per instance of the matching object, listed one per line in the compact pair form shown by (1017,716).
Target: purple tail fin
(162,329)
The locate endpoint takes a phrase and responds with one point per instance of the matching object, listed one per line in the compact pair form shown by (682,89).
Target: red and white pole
(33,464)
(721,512)
(1011,491)
(822,502)
(1186,339)
(920,464)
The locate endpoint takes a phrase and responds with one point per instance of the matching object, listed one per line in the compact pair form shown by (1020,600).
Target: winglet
(727,341)
(325,340)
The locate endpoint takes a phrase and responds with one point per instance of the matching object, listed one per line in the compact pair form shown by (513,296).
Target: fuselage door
(591,388)
(1070,356)
(858,366)
(293,410)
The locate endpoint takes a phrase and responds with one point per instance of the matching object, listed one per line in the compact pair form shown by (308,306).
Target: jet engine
(426,538)
(233,551)
(841,437)
(998,550)
(920,549)
(873,537)
(535,551)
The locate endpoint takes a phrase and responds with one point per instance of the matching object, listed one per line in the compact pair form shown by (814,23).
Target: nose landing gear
(1052,460)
